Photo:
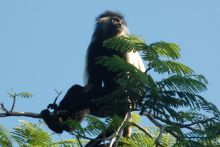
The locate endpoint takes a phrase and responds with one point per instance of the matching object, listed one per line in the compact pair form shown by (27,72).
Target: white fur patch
(135,59)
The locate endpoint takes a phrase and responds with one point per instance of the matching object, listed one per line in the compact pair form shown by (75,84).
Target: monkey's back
(97,73)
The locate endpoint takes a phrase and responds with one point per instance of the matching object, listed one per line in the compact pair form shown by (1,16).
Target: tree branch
(13,104)
(142,129)
(116,136)
(3,108)
(26,114)
(158,124)
(7,113)
(187,126)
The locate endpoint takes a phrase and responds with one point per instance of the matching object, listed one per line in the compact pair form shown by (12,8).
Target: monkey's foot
(52,121)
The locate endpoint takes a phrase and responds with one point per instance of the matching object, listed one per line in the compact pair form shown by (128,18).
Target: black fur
(79,101)
(97,74)
(110,14)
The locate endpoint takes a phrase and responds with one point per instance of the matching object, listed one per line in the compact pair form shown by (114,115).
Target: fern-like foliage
(169,50)
(96,126)
(140,139)
(5,138)
(14,94)
(66,143)
(125,44)
(29,134)
(174,100)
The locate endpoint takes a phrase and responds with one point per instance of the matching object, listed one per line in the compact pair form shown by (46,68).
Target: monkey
(108,24)
(79,100)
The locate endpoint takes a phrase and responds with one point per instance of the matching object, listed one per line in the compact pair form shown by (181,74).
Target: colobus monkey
(108,24)
(78,101)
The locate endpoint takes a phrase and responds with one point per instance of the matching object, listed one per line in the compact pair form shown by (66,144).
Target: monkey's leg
(76,103)
(73,99)
(79,101)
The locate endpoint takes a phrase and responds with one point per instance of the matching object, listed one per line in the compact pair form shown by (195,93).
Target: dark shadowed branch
(159,125)
(118,133)
(26,114)
(11,112)
(141,128)
(7,113)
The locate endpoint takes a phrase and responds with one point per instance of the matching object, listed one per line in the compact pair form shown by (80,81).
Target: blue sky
(43,43)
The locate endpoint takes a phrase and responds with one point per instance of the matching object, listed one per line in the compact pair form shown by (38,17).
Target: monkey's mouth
(114,30)
(117,29)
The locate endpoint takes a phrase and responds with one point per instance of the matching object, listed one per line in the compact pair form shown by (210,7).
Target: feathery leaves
(169,98)
(5,137)
(28,133)
(173,103)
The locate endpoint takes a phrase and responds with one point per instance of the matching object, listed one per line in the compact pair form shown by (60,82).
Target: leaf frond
(170,50)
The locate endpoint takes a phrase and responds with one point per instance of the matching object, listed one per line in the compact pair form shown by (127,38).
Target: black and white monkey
(99,81)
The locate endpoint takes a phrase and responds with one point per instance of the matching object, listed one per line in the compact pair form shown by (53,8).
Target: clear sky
(43,42)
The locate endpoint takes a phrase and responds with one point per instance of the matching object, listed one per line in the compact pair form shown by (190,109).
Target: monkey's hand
(52,106)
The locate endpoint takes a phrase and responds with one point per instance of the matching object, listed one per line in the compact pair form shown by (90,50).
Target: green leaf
(14,94)
(67,143)
(30,134)
(125,44)
(5,137)
(170,67)
(192,84)
(95,126)
(170,50)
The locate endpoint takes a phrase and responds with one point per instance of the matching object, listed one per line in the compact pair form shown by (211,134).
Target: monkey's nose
(118,24)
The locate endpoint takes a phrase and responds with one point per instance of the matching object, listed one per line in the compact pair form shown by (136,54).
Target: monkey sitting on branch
(79,101)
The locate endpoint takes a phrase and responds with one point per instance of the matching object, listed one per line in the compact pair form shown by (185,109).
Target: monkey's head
(110,24)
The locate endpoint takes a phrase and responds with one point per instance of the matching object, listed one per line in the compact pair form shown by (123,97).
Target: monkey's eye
(115,20)
(99,20)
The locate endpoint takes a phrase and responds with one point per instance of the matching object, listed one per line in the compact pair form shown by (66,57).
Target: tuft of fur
(110,14)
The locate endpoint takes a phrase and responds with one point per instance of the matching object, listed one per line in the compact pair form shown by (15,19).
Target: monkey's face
(112,26)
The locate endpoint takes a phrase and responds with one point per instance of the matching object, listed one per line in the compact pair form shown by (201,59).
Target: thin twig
(99,139)
(142,129)
(54,105)
(115,140)
(148,69)
(158,124)
(157,140)
(152,119)
(78,139)
(58,94)
(3,108)
(81,136)
(13,104)
(187,126)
